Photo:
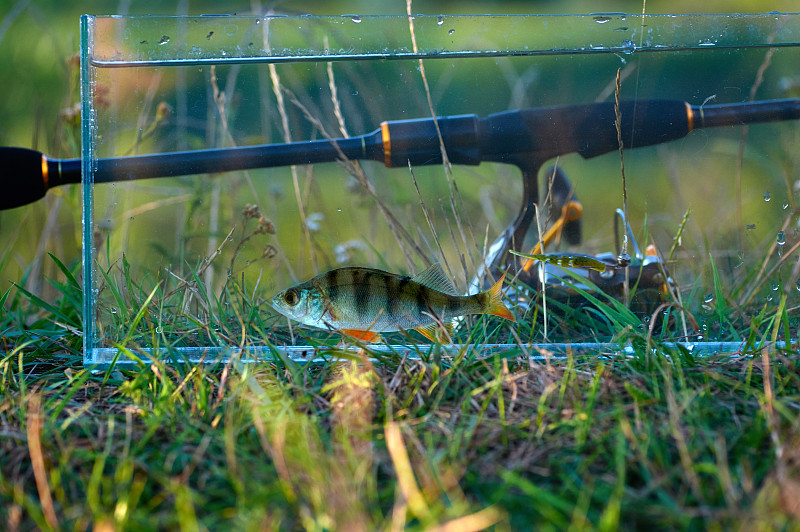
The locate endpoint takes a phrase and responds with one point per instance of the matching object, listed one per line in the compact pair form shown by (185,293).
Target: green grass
(660,439)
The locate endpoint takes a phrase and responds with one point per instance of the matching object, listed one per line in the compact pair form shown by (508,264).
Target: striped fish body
(363,302)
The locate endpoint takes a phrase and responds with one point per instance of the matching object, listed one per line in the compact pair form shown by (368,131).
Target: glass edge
(87,155)
(103,358)
(315,52)
(224,16)
(87,23)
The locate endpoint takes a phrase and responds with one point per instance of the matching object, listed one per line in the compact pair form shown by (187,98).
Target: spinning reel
(642,280)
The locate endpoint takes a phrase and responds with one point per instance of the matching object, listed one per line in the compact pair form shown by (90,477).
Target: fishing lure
(568,261)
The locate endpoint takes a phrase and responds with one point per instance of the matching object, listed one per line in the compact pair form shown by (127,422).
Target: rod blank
(542,133)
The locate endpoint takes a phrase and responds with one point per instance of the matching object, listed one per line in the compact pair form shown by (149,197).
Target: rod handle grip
(24,177)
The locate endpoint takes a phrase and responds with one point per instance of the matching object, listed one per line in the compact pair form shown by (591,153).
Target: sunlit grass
(660,438)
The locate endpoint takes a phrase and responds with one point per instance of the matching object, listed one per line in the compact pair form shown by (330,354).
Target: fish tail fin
(494,304)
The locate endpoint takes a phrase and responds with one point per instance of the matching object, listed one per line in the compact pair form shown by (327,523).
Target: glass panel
(184,250)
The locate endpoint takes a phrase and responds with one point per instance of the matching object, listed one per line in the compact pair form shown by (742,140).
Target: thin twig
(624,255)
(743,139)
(428,219)
(448,169)
(402,236)
(287,137)
(337,106)
(34,430)
(763,274)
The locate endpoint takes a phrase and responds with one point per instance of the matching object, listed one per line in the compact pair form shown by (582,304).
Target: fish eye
(291,297)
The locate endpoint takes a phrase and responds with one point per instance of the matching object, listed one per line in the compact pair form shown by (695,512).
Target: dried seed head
(269,252)
(101,96)
(251,211)
(71,115)
(265,226)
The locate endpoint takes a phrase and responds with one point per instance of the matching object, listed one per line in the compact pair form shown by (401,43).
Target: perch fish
(364,302)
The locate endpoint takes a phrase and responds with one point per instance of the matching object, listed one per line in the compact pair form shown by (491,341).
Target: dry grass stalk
(34,432)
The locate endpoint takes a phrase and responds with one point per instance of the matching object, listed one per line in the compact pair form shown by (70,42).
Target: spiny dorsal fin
(434,277)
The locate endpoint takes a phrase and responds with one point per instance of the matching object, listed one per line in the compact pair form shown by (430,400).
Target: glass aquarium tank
(634,177)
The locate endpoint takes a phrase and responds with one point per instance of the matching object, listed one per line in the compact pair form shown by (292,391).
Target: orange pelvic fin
(495,303)
(434,332)
(367,336)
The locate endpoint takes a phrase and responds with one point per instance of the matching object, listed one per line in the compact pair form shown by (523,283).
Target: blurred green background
(39,42)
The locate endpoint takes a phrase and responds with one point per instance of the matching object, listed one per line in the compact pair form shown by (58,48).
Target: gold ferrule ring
(387,144)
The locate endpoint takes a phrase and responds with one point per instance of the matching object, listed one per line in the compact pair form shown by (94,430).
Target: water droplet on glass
(356,19)
(708,298)
(451,32)
(781,238)
(797,285)
(739,259)
(750,227)
(113,310)
(164,40)
(440,21)
(775,287)
(601,19)
(785,205)
(159,329)
(767,196)
(628,47)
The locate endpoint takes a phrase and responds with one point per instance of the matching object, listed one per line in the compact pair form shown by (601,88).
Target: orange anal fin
(366,336)
(495,305)
(434,332)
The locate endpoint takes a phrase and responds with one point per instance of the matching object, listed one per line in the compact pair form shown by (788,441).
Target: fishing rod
(526,138)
